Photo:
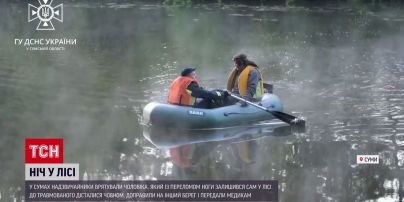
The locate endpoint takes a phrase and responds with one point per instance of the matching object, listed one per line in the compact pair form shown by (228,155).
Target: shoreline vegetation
(361,7)
(370,5)
(283,2)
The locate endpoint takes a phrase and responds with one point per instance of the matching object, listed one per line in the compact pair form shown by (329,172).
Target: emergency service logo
(45,13)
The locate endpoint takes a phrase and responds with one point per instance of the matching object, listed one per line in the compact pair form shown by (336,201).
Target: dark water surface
(342,68)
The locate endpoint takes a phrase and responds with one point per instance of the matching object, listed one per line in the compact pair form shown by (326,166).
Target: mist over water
(342,68)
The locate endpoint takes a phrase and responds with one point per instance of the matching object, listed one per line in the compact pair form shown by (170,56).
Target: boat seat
(268,88)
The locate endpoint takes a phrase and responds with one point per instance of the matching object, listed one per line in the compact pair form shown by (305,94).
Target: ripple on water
(120,5)
(400,157)
(398,117)
(400,139)
(241,15)
(383,139)
(387,158)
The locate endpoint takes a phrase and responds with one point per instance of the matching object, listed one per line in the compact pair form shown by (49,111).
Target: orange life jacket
(178,94)
(182,155)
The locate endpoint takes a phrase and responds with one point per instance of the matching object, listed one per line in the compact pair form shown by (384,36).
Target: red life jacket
(182,155)
(178,94)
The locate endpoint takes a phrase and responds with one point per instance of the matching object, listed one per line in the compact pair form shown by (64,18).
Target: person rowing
(185,89)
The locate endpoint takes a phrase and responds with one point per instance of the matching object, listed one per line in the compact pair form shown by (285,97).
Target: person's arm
(253,79)
(196,91)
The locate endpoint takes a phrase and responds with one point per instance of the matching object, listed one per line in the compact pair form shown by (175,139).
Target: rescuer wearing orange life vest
(185,89)
(245,80)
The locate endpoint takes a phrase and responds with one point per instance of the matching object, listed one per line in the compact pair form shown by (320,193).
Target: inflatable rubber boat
(184,117)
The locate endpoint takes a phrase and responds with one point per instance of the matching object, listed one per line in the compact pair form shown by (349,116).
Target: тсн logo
(45,13)
(43,150)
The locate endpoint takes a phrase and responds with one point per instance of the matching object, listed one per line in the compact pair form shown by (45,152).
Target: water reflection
(172,137)
(192,150)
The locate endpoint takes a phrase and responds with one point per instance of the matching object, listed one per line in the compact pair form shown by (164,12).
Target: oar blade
(290,119)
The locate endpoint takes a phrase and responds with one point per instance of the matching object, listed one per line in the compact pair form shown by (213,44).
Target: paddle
(290,119)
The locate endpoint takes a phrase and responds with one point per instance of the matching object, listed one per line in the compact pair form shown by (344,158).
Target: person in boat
(185,89)
(245,80)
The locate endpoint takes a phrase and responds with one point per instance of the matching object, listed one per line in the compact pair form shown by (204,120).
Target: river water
(340,66)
